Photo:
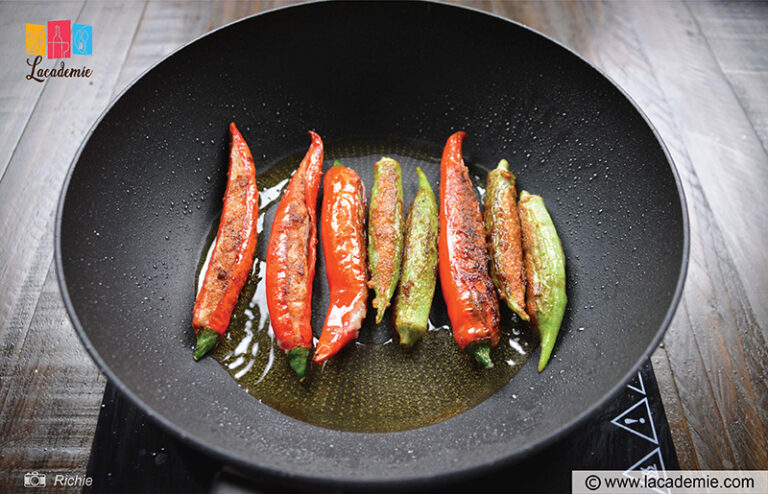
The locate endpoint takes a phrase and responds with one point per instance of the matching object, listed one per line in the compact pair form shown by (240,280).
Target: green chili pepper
(545,272)
(385,232)
(419,276)
(502,227)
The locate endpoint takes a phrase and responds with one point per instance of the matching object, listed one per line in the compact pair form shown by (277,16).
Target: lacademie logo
(58,39)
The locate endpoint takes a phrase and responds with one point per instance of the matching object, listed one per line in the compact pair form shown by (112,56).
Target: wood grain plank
(27,426)
(749,87)
(726,283)
(608,41)
(615,47)
(737,34)
(718,135)
(234,10)
(30,187)
(58,406)
(606,35)
(19,96)
(733,374)
(673,408)
(702,428)
(721,319)
(165,26)
(168,25)
(19,319)
(48,419)
(38,167)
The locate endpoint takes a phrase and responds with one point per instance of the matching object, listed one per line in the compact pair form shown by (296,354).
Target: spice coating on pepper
(290,260)
(233,252)
(419,271)
(545,272)
(342,232)
(470,297)
(502,226)
(385,232)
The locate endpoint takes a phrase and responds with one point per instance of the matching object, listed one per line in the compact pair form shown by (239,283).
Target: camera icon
(34,479)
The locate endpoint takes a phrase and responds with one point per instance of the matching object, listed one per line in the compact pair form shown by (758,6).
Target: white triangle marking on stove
(638,420)
(641,389)
(650,469)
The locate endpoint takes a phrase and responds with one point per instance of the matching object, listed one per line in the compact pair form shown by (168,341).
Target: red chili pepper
(343,232)
(470,297)
(232,256)
(291,260)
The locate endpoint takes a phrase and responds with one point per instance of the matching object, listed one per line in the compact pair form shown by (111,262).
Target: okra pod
(385,232)
(419,271)
(503,235)
(545,272)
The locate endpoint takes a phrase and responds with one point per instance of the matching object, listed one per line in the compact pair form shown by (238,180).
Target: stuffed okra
(502,227)
(385,232)
(419,270)
(545,272)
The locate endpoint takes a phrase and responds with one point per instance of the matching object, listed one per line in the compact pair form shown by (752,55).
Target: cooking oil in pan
(373,385)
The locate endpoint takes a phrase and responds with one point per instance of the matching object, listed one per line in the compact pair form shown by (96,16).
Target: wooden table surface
(699,70)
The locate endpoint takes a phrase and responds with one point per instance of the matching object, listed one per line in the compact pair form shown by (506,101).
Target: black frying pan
(126,257)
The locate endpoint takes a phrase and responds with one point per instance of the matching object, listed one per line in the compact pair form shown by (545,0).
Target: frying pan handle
(227,481)
(230,481)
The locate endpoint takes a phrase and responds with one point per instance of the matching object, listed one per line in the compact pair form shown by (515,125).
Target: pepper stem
(206,340)
(298,359)
(336,163)
(423,182)
(503,165)
(481,350)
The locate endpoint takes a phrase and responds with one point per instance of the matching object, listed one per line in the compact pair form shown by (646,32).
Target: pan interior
(373,385)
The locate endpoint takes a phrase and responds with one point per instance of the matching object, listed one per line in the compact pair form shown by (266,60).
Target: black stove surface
(130,453)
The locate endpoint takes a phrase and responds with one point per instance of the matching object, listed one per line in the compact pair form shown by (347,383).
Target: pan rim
(381,482)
